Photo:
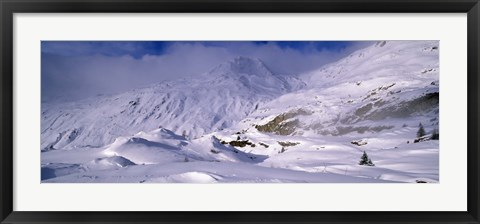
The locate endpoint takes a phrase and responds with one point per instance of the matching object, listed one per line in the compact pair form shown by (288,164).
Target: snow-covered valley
(242,123)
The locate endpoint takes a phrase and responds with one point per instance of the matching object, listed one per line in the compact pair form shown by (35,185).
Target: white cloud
(81,74)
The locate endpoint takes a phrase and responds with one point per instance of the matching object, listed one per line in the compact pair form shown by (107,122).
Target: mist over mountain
(192,107)
(74,70)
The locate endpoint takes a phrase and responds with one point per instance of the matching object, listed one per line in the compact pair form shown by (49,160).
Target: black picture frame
(9,7)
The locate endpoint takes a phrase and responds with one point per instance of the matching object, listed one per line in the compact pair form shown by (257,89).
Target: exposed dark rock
(362,111)
(422,104)
(359,143)
(287,144)
(263,144)
(422,139)
(283,124)
(239,143)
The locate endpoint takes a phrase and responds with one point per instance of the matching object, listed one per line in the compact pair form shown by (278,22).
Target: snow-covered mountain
(210,102)
(381,87)
(242,123)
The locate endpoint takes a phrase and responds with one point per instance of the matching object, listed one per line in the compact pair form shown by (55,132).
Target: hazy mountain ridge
(213,101)
(350,96)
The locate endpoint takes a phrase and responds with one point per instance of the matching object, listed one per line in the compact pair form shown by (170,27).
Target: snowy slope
(377,97)
(387,85)
(210,102)
(414,60)
(243,123)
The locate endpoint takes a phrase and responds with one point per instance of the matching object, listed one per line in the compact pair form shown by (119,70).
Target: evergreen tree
(184,134)
(365,161)
(421,131)
(435,135)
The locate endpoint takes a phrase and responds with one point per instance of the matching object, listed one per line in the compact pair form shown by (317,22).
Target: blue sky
(138,49)
(78,69)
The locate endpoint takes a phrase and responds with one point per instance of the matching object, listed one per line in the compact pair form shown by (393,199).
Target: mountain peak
(242,65)
(245,60)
